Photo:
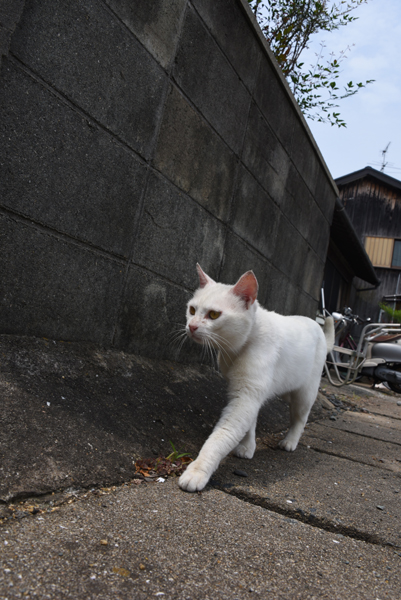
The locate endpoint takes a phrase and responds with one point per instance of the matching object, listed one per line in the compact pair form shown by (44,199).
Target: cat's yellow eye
(214,314)
(192,310)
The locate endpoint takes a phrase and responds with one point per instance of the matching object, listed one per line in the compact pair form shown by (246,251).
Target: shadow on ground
(75,415)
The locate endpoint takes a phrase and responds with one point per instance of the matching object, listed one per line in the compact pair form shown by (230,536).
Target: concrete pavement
(322,522)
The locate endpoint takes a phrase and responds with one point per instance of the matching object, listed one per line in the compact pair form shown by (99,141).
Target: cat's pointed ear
(247,288)
(203,278)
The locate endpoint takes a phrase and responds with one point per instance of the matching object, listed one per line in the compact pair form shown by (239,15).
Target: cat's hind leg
(301,402)
(246,447)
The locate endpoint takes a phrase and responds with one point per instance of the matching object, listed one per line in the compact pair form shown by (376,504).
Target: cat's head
(222,315)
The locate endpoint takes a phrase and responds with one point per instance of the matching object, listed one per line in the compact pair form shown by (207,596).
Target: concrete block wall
(136,139)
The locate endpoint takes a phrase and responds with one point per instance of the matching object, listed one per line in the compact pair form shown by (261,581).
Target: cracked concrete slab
(335,493)
(389,408)
(318,522)
(377,401)
(152,540)
(361,448)
(371,425)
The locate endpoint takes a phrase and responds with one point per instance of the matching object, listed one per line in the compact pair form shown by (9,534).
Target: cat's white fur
(261,354)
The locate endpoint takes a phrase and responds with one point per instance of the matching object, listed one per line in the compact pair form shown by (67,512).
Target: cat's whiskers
(223,347)
(177,339)
(223,343)
(203,352)
(208,350)
(213,345)
(183,340)
(212,352)
(205,349)
(217,336)
(177,335)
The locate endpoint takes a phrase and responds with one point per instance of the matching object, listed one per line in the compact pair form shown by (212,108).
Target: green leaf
(288,26)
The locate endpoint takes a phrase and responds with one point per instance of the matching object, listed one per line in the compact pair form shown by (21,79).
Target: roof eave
(369,172)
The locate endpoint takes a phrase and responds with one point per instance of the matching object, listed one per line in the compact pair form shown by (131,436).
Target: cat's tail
(328,330)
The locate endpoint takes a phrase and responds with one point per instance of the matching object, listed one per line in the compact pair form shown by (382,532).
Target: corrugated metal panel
(380,250)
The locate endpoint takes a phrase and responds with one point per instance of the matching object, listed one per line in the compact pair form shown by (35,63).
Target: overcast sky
(373,115)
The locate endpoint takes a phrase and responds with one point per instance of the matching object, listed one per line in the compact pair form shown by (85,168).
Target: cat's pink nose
(193,328)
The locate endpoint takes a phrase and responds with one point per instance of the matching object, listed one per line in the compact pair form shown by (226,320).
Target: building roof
(369,172)
(347,241)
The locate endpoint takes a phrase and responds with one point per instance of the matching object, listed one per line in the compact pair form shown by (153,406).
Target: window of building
(384,252)
(396,262)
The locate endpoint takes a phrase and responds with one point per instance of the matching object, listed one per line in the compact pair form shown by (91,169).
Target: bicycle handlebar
(350,317)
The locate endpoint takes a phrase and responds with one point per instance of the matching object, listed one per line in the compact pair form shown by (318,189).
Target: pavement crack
(380,414)
(355,460)
(306,517)
(31,504)
(363,435)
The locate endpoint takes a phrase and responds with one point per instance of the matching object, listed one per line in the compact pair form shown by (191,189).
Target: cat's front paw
(194,478)
(288,444)
(245,451)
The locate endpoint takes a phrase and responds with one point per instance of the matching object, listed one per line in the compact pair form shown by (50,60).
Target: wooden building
(372,201)
(348,265)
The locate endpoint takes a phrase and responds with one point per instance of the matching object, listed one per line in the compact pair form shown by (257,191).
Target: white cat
(261,354)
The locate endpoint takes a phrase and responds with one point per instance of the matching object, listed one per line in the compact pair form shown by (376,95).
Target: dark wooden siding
(373,207)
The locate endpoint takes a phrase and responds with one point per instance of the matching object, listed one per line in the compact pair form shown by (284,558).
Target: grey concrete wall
(136,139)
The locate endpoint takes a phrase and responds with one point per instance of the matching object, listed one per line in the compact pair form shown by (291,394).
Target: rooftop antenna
(384,163)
